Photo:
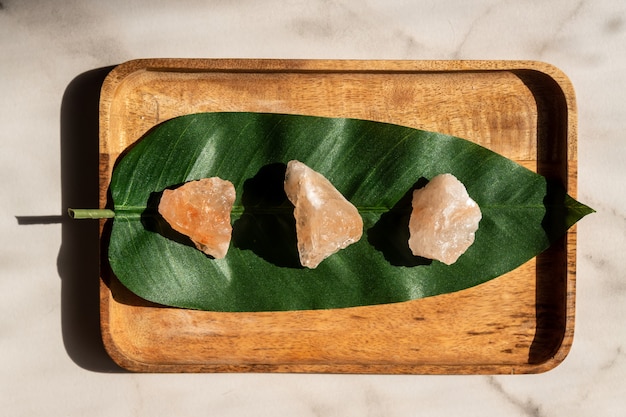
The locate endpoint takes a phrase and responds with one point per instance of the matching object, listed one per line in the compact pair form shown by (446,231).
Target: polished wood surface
(521,322)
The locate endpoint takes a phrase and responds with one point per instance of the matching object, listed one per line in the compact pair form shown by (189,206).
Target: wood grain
(521,322)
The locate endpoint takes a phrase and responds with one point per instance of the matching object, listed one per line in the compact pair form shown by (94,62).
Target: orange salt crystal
(325,221)
(201,210)
(443,220)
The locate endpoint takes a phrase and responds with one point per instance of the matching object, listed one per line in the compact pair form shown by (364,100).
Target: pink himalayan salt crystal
(443,221)
(201,210)
(325,221)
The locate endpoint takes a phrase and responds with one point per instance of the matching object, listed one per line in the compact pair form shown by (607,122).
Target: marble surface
(51,362)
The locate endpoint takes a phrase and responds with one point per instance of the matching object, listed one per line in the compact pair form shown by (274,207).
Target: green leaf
(375,165)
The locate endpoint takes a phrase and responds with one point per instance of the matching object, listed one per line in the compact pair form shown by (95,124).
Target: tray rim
(249,65)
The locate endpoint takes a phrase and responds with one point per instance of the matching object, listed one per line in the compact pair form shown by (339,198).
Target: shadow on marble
(79,256)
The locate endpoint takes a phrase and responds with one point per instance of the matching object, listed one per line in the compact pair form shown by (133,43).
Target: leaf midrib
(130,212)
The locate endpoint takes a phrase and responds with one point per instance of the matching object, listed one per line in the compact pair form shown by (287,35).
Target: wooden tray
(521,322)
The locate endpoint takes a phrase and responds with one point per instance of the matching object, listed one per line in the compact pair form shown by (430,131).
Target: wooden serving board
(521,322)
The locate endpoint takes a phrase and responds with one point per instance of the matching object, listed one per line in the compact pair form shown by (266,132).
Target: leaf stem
(90,213)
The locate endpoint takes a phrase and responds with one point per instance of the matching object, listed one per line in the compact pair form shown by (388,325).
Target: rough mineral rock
(325,221)
(201,210)
(443,221)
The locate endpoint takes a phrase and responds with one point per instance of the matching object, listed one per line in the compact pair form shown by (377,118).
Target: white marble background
(45,44)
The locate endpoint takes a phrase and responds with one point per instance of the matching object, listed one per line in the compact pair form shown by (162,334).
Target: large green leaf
(375,165)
